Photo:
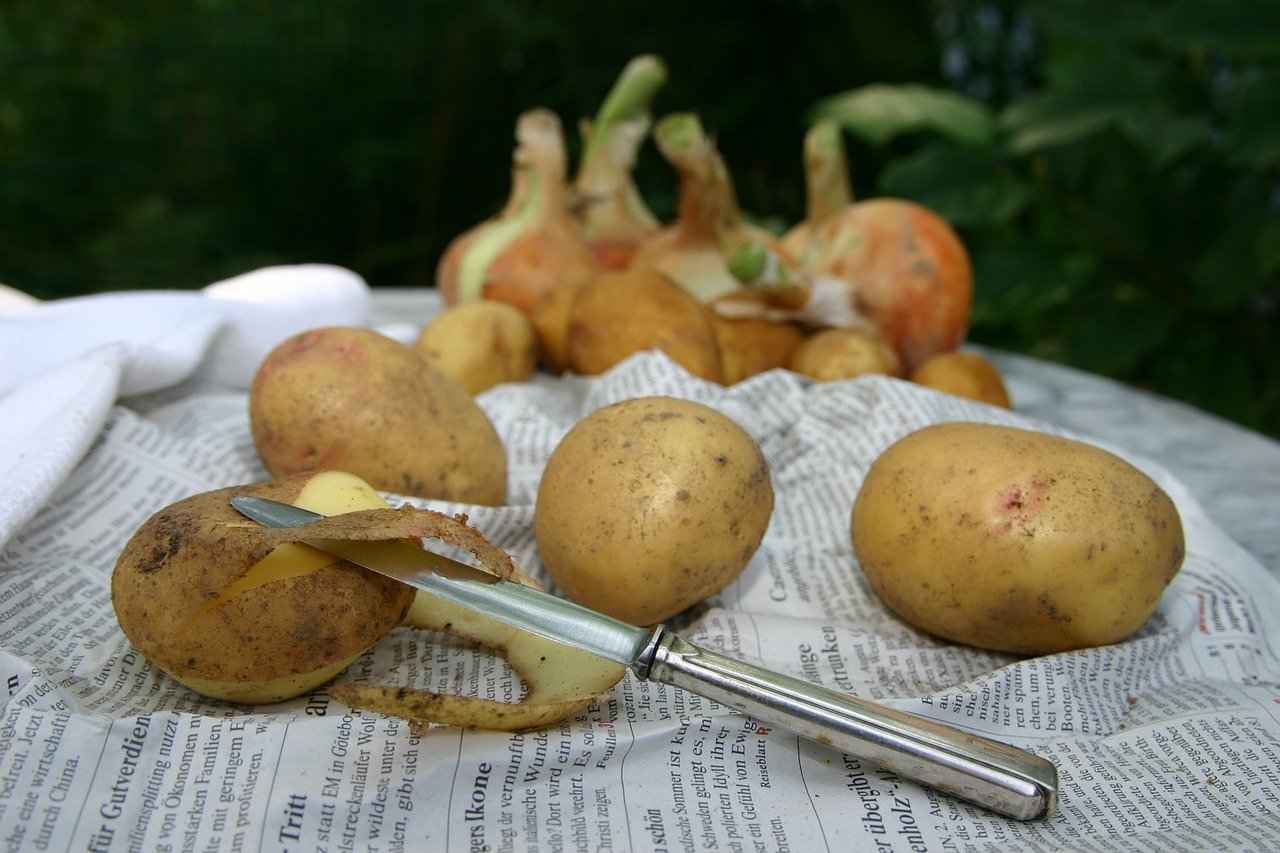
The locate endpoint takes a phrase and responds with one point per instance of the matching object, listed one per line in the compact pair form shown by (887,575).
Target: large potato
(480,345)
(620,314)
(355,400)
(1014,540)
(650,505)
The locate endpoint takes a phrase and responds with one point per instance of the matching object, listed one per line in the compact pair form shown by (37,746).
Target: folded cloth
(63,364)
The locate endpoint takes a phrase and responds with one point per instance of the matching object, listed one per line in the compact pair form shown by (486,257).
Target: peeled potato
(247,613)
(1014,540)
(480,345)
(963,374)
(835,354)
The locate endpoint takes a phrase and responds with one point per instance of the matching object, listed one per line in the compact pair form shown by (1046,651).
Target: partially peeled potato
(253,615)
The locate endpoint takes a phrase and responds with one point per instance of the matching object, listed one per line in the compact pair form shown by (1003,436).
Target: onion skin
(905,268)
(610,210)
(534,244)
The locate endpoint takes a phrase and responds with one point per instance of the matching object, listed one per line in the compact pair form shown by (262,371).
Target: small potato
(355,400)
(750,346)
(835,354)
(620,314)
(1014,540)
(964,374)
(650,505)
(480,345)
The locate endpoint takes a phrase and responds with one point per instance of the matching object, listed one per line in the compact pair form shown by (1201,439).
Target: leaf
(1228,273)
(1117,332)
(880,112)
(965,186)
(1268,248)
(1062,128)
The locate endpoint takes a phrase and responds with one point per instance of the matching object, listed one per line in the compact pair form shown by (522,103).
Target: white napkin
(63,364)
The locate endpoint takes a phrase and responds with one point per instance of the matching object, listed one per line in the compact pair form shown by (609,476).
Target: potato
(650,505)
(232,611)
(750,346)
(480,345)
(1014,540)
(550,318)
(964,374)
(246,613)
(835,354)
(356,400)
(619,314)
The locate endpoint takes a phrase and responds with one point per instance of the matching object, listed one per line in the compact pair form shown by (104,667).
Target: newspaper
(1166,742)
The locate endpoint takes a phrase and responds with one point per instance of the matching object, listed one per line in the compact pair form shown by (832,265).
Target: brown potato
(480,345)
(835,354)
(620,314)
(650,505)
(964,374)
(1014,540)
(246,613)
(751,346)
(185,592)
(356,400)
(550,316)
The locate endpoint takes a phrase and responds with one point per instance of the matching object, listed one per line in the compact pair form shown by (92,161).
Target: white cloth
(64,363)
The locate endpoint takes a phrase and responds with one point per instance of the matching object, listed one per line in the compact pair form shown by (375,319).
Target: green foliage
(1124,213)
(1114,171)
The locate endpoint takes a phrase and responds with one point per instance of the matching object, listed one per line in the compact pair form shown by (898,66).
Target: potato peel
(560,680)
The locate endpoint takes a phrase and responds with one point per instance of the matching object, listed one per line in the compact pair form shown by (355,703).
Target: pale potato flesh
(1014,540)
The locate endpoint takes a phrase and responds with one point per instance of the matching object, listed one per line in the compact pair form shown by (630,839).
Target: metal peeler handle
(1006,780)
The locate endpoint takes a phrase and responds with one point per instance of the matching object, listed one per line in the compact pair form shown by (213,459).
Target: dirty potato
(1014,540)
(650,505)
(354,400)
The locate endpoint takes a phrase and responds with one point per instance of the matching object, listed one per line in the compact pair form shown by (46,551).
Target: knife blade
(1007,780)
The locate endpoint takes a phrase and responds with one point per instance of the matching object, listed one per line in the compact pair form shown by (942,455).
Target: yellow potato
(355,400)
(480,345)
(964,374)
(835,354)
(620,314)
(650,505)
(1014,540)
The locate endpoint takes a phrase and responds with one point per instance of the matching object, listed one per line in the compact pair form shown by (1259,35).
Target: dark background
(1121,198)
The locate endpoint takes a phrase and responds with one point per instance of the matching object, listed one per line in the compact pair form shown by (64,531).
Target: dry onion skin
(249,614)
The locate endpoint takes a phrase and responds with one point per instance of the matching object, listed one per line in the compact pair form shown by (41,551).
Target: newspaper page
(1169,741)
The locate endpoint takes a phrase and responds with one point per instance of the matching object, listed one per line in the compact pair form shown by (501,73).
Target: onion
(901,266)
(534,244)
(613,216)
(711,251)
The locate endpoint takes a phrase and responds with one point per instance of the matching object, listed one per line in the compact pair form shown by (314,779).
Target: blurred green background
(1114,171)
